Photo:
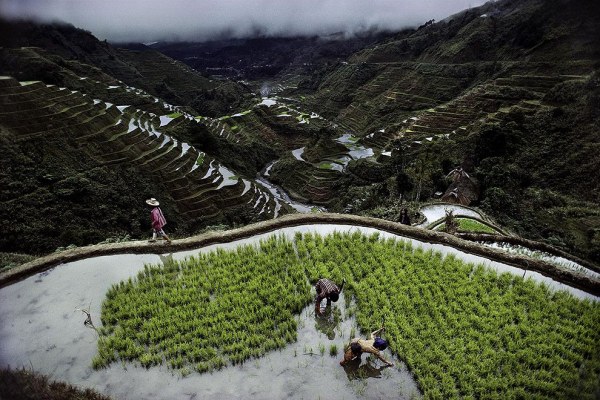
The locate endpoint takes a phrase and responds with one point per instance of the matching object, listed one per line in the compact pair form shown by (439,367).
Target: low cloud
(153,20)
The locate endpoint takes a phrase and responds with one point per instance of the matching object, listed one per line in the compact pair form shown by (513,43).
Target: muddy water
(41,329)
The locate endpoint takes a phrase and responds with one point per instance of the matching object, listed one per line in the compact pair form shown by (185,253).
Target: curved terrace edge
(572,278)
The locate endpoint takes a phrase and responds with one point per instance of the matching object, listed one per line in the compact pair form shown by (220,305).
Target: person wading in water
(158,221)
(375,346)
(326,289)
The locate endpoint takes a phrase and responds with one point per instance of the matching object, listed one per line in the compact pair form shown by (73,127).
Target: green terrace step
(442,125)
(198,190)
(325,173)
(194,175)
(232,195)
(204,214)
(164,158)
(180,168)
(40,106)
(116,132)
(153,153)
(90,121)
(128,138)
(540,80)
(186,180)
(534,84)
(7,82)
(430,131)
(200,182)
(12,93)
(220,197)
(446,112)
(203,199)
(26,87)
(183,179)
(319,198)
(62,128)
(128,150)
(107,131)
(26,105)
(323,180)
(57,121)
(331,178)
(500,97)
(42,115)
(259,202)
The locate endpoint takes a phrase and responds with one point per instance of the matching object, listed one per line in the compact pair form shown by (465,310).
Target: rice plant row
(463,330)
(208,311)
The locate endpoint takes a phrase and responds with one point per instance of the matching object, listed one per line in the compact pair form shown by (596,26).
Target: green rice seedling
(462,330)
(333,350)
(321,348)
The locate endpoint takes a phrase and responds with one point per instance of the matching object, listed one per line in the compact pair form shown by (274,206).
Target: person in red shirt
(158,221)
(326,289)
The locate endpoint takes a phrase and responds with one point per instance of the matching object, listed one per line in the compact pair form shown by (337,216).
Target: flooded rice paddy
(435,212)
(42,329)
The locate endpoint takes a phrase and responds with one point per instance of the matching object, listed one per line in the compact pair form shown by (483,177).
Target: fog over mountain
(153,20)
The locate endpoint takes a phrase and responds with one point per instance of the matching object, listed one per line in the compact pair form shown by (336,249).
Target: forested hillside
(495,107)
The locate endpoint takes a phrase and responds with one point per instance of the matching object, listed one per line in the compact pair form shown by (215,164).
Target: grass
(464,331)
(333,350)
(469,225)
(25,384)
(206,312)
(175,115)
(11,260)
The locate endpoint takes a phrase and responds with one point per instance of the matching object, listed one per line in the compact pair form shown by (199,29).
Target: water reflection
(355,371)
(39,328)
(328,321)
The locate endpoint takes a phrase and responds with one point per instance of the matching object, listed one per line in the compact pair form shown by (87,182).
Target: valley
(382,121)
(467,148)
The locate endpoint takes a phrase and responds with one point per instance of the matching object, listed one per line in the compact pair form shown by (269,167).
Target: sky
(198,20)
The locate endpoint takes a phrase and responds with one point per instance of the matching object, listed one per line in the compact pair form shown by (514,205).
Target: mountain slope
(75,50)
(508,91)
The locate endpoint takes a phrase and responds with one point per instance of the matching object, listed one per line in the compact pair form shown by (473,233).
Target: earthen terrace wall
(575,279)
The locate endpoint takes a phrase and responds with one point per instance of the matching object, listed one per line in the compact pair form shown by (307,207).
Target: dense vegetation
(27,385)
(463,330)
(207,312)
(469,225)
(508,91)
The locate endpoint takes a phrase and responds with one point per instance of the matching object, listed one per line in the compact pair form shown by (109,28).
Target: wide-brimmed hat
(152,202)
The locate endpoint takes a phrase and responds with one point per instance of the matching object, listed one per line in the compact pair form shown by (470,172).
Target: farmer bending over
(375,346)
(326,289)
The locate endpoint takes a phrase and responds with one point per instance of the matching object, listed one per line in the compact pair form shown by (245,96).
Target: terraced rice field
(123,134)
(441,315)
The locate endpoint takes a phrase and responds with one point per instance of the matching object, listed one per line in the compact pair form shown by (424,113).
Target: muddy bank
(575,279)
